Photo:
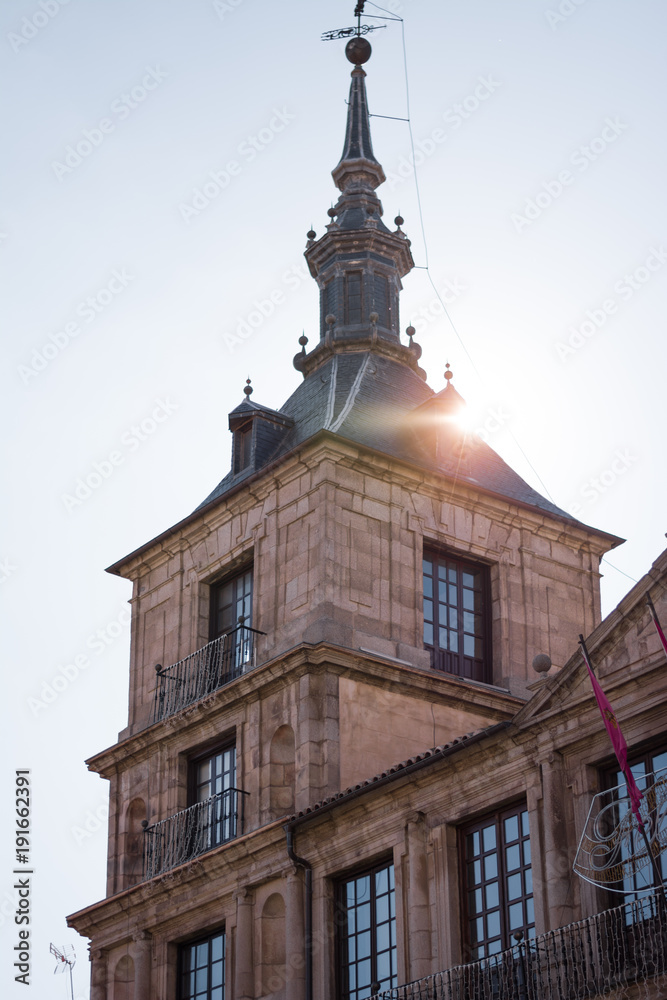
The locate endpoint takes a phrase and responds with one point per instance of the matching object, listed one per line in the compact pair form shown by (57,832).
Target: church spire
(358,164)
(359,262)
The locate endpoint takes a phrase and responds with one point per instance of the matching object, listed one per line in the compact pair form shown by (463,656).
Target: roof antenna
(361,29)
(65,960)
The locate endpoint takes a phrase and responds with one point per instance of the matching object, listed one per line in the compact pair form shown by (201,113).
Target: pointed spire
(358,161)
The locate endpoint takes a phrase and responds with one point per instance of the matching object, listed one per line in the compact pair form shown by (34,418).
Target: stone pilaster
(295,955)
(98,974)
(244,978)
(143,958)
(418,901)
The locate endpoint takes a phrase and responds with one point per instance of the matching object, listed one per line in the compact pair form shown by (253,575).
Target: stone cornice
(429,481)
(369,667)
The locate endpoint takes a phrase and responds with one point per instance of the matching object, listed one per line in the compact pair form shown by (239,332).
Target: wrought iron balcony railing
(602,955)
(193,831)
(204,671)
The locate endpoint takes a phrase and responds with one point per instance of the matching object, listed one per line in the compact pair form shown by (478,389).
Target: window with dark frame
(242,447)
(230,600)
(456,616)
(497,882)
(202,968)
(213,784)
(366,928)
(646,768)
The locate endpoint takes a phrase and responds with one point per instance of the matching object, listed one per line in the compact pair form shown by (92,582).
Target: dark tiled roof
(366,397)
(445,749)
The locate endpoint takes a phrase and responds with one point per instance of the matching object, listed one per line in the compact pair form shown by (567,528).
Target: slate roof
(366,397)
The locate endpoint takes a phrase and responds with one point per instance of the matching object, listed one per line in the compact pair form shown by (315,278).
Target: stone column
(557,862)
(98,974)
(244,969)
(418,901)
(143,956)
(295,955)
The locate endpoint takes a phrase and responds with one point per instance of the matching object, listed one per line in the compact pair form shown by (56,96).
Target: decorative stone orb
(541,663)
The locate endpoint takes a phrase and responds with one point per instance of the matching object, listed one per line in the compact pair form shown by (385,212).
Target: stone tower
(365,582)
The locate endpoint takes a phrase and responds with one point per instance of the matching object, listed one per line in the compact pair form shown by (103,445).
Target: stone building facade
(365,583)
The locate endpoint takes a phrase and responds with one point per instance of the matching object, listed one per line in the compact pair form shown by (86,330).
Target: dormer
(257,431)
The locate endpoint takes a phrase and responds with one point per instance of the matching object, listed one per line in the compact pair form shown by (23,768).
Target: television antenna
(64,960)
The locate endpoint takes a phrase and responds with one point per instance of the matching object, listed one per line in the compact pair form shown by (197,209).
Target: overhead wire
(426,267)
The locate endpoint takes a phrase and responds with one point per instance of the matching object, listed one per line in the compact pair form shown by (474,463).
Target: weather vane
(361,29)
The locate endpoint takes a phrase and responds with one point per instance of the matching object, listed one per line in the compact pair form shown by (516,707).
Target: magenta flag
(615,735)
(656,622)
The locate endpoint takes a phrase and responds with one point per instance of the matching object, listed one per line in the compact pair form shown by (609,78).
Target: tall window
(213,785)
(455,616)
(242,446)
(202,969)
(229,601)
(367,933)
(497,882)
(381,298)
(650,773)
(353,297)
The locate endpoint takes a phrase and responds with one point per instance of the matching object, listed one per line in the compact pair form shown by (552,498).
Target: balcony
(201,673)
(192,832)
(613,953)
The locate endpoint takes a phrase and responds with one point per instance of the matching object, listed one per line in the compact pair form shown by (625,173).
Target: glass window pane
(524,823)
(514,888)
(217,948)
(516,916)
(428,634)
(453,595)
(491,866)
(526,852)
(427,565)
(442,591)
(363,916)
(428,586)
(469,622)
(489,838)
(493,924)
(381,881)
(454,642)
(468,578)
(453,618)
(468,645)
(469,600)
(472,845)
(452,573)
(428,610)
(442,571)
(491,895)
(512,858)
(511,829)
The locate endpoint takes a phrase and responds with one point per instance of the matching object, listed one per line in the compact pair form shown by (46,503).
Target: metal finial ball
(399,220)
(331,212)
(303,340)
(448,374)
(358,50)
(374,317)
(330,319)
(311,234)
(411,332)
(247,388)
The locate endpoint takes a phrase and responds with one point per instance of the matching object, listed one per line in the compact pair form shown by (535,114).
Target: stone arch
(281,777)
(133,853)
(123,979)
(273,946)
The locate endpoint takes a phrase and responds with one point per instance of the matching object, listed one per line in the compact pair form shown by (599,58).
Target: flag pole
(609,719)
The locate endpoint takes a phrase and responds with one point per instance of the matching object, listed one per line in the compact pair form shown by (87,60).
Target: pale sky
(540,139)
